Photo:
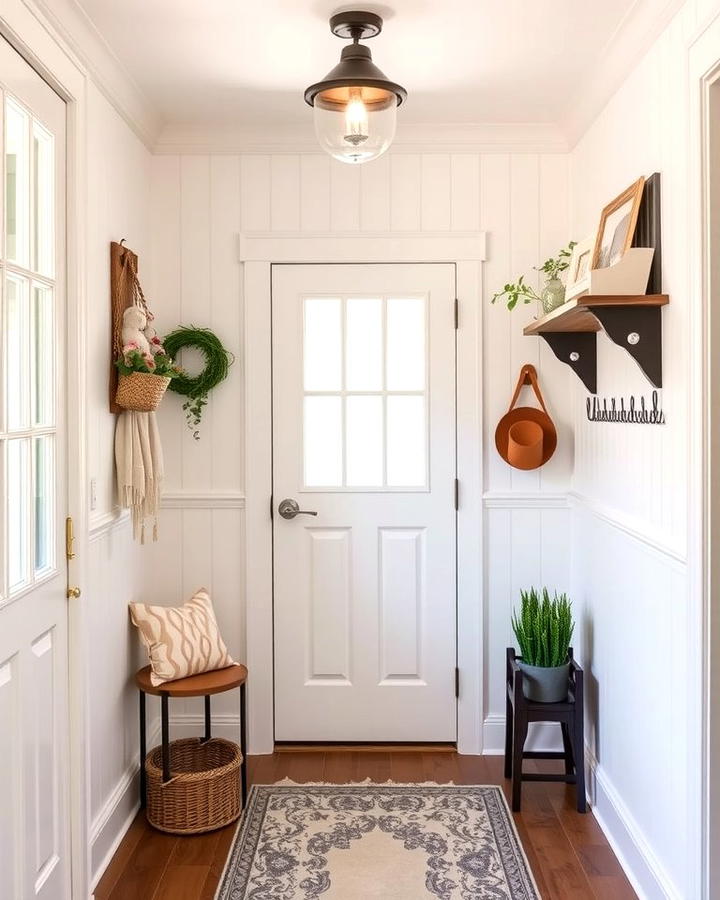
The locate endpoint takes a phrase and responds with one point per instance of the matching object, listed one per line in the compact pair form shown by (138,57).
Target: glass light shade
(355,124)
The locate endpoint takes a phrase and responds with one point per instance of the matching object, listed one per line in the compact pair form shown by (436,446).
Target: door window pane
(406,441)
(323,442)
(18,519)
(44,461)
(406,344)
(17,183)
(363,341)
(323,344)
(364,441)
(43,355)
(17,340)
(43,200)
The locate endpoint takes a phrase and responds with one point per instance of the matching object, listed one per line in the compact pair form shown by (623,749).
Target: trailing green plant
(520,290)
(197,387)
(544,628)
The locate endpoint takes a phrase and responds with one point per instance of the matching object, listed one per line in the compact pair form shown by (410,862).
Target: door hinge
(457,313)
(272,507)
(457,682)
(456,494)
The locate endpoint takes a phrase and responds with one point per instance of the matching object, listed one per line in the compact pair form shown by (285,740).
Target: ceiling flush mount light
(355,105)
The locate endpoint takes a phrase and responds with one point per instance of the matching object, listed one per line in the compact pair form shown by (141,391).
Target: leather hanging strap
(528,376)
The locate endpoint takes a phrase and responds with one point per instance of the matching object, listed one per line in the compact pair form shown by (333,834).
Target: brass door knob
(73,593)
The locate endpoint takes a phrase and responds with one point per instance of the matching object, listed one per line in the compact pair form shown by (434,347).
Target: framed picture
(617,226)
(578,272)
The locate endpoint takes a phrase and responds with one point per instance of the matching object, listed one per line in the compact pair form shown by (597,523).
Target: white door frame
(34,39)
(258,251)
(703,571)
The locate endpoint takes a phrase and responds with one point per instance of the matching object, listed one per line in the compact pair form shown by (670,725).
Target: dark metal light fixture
(355,105)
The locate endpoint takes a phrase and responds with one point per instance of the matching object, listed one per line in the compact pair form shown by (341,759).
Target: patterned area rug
(389,841)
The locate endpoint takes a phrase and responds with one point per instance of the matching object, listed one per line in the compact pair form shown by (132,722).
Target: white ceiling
(234,62)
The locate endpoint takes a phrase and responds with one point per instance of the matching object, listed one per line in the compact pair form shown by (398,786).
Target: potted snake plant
(544,629)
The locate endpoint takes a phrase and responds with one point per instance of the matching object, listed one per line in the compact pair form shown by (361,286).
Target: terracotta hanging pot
(525,436)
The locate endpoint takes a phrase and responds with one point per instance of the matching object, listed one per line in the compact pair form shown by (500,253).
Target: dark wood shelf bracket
(577,349)
(637,329)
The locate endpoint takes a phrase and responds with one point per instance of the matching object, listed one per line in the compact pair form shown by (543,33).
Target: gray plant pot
(545,685)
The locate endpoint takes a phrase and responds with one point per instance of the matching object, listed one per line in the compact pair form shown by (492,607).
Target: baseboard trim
(642,867)
(110,825)
(186,725)
(542,736)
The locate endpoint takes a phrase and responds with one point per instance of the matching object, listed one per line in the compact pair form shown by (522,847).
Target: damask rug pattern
(397,842)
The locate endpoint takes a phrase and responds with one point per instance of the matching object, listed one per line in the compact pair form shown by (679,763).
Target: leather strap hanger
(528,376)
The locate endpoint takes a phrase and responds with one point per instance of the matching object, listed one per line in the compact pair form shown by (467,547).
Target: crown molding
(635,34)
(410,138)
(66,20)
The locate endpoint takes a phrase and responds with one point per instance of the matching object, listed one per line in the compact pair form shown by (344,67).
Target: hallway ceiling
(233,62)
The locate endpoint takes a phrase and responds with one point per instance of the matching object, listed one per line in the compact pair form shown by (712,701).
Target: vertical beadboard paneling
(465,192)
(315,192)
(524,254)
(497,321)
(344,196)
(285,193)
(375,195)
(405,192)
(196,299)
(164,296)
(255,193)
(556,379)
(226,444)
(436,192)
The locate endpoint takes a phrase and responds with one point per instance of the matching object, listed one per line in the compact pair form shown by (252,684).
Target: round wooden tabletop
(195,685)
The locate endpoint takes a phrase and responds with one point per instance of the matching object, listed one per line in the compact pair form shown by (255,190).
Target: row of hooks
(635,414)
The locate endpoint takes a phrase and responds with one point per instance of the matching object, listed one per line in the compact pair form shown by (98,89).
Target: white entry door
(364,437)
(34,828)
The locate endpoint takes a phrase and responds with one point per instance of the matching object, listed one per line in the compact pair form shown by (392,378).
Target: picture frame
(617,226)
(578,271)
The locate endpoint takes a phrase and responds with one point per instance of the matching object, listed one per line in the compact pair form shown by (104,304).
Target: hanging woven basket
(141,391)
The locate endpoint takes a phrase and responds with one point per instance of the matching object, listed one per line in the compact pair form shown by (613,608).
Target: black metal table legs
(143,750)
(165,736)
(243,747)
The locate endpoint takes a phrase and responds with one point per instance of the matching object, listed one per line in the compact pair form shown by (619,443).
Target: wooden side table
(520,711)
(204,685)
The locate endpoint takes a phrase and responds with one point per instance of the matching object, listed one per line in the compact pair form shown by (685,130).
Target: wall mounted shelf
(632,322)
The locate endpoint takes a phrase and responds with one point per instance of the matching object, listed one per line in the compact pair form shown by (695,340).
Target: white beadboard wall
(118,185)
(199,205)
(630,519)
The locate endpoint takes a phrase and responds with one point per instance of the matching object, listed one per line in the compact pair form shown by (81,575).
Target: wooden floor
(570,858)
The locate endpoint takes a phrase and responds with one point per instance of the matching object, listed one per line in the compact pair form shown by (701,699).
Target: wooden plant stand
(568,713)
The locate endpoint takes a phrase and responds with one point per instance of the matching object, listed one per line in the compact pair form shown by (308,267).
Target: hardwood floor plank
(120,860)
(146,866)
(182,883)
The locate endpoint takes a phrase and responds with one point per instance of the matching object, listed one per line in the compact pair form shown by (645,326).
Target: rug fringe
(369,780)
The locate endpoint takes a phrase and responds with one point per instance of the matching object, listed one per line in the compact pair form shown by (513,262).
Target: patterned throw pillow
(181,640)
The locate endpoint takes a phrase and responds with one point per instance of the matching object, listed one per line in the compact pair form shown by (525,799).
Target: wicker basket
(204,789)
(141,391)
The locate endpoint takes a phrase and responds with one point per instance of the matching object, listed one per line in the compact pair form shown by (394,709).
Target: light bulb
(356,119)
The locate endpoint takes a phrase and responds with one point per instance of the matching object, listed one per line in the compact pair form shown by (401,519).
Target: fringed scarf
(139,463)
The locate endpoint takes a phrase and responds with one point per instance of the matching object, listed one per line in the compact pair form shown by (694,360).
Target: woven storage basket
(141,391)
(204,789)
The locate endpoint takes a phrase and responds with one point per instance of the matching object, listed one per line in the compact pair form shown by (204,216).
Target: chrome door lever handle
(289,508)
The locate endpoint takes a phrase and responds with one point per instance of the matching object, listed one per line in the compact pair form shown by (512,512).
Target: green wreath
(196,388)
